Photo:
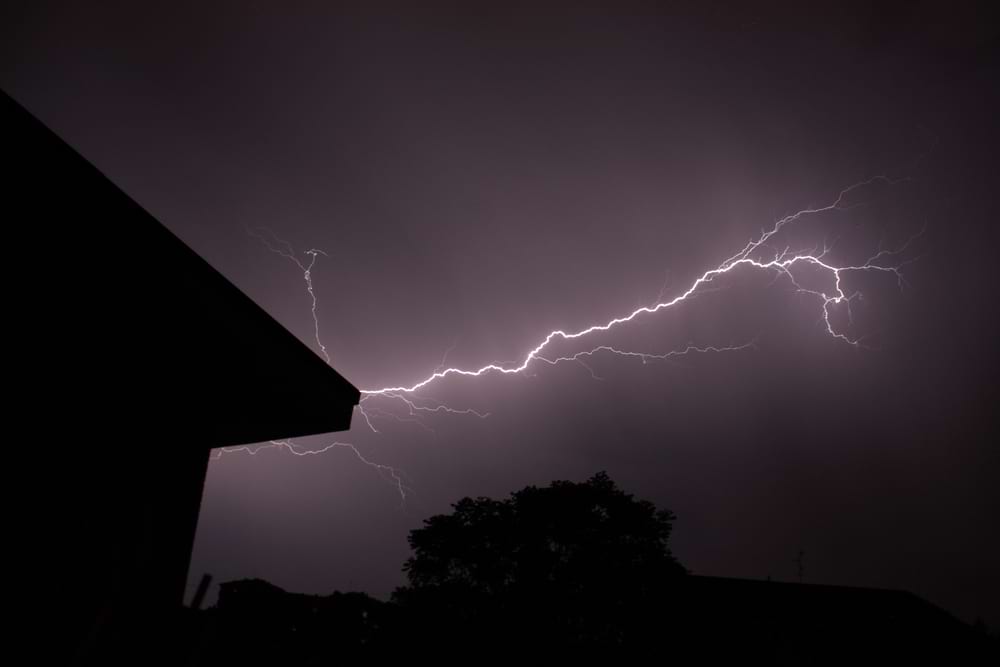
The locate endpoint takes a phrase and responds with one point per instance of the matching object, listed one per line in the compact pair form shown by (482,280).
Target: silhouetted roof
(842,608)
(128,328)
(793,623)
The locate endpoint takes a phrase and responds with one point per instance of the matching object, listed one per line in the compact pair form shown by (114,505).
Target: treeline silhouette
(572,566)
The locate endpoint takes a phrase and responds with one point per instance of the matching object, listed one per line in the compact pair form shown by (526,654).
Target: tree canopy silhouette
(583,559)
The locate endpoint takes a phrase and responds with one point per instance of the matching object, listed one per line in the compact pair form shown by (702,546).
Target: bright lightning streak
(781,262)
(757,254)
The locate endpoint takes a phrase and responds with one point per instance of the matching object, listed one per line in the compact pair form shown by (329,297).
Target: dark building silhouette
(797,623)
(694,619)
(131,358)
(256,622)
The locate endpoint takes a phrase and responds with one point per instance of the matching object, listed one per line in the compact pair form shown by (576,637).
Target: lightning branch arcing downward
(284,248)
(758,254)
(395,475)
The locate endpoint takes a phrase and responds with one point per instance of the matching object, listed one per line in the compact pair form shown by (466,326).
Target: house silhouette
(130,357)
(694,619)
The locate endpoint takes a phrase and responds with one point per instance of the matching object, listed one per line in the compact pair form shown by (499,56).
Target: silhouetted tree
(578,562)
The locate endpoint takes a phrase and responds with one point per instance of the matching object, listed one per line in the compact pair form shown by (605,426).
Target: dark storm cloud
(481,178)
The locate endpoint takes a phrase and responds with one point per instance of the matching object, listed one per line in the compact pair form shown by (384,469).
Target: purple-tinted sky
(479,178)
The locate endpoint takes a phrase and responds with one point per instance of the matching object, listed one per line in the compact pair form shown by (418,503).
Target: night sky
(480,177)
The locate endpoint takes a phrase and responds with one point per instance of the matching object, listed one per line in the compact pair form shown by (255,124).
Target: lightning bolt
(758,254)
(781,262)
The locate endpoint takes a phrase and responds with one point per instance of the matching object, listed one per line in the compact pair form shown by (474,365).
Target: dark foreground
(697,618)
